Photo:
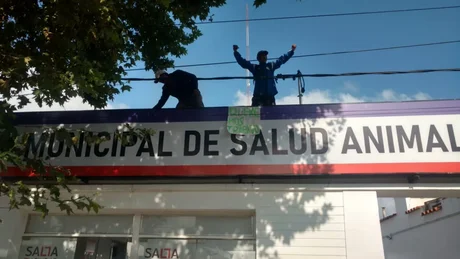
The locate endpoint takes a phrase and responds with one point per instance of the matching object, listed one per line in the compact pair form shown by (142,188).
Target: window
(75,237)
(75,248)
(94,224)
(197,237)
(35,247)
(208,248)
(181,236)
(433,204)
(177,226)
(196,248)
(167,248)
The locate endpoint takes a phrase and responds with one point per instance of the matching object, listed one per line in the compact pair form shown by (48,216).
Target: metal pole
(299,86)
(248,82)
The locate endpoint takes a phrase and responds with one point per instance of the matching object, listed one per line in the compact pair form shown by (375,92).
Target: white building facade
(202,221)
(420,228)
(238,183)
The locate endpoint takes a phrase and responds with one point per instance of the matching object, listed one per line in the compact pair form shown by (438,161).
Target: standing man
(183,86)
(264,73)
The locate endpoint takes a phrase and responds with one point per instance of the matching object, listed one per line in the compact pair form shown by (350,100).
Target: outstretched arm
(284,58)
(162,101)
(241,61)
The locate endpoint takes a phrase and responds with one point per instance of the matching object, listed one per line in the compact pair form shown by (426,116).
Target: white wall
(11,229)
(291,223)
(388,204)
(412,236)
(362,225)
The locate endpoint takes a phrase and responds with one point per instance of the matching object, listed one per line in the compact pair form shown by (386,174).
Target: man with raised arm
(264,73)
(183,86)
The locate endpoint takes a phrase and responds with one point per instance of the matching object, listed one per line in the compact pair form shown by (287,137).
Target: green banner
(243,120)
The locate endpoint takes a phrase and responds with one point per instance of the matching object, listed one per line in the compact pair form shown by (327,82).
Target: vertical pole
(133,253)
(248,81)
(299,86)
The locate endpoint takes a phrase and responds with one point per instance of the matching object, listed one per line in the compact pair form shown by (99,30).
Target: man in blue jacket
(183,86)
(264,73)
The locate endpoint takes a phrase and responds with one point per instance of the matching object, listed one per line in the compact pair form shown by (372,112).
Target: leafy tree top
(54,50)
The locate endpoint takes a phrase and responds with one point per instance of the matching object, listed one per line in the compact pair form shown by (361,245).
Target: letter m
(35,147)
(414,137)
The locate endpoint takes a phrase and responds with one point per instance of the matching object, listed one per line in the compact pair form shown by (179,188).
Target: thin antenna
(248,82)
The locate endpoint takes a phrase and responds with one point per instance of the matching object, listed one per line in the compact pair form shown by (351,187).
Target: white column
(134,252)
(401,205)
(362,225)
(12,226)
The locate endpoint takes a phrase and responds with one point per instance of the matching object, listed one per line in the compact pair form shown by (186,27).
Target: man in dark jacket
(183,86)
(264,73)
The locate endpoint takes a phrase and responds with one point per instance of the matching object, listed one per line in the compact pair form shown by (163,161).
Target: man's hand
(235,47)
(293,47)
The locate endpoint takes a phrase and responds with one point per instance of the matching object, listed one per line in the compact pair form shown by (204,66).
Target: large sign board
(367,138)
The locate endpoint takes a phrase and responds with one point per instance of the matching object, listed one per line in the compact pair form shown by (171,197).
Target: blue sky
(323,35)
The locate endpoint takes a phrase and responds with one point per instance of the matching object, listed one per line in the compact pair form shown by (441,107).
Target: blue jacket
(262,71)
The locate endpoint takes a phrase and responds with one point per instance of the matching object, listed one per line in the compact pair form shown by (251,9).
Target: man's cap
(262,53)
(158,73)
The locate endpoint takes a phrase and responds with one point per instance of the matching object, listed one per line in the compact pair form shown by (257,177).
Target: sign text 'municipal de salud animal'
(356,139)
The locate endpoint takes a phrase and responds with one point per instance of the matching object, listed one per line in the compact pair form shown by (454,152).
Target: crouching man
(183,86)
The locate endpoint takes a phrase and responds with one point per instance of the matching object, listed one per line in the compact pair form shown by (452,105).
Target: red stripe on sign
(229,170)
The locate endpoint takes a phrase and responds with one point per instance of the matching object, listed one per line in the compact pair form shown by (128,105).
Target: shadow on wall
(317,132)
(281,221)
(281,218)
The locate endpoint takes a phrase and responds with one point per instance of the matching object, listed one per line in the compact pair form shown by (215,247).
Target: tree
(54,50)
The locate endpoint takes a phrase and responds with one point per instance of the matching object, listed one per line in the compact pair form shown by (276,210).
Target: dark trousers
(194,101)
(263,100)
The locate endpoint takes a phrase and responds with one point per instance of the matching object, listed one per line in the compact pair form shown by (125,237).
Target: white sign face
(393,144)
(48,248)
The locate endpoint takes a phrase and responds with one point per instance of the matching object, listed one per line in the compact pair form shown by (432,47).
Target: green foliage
(258,3)
(56,178)
(61,49)
(52,51)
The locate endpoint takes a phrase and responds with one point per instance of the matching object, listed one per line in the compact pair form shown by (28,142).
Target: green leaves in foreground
(55,180)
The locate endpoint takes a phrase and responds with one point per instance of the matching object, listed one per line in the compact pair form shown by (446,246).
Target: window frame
(25,234)
(137,223)
(251,236)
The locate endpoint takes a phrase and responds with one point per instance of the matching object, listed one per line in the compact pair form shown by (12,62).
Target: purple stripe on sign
(309,111)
